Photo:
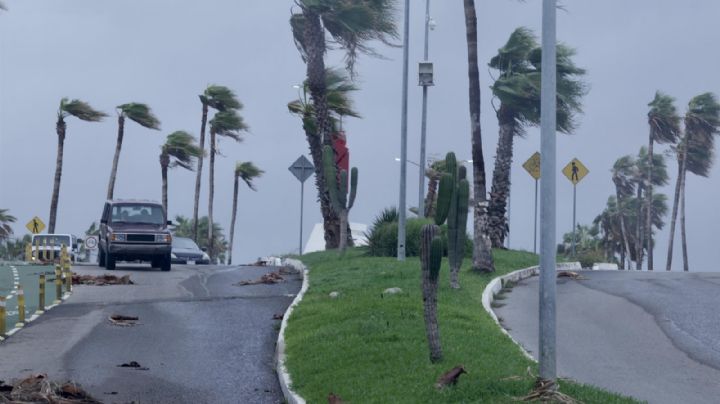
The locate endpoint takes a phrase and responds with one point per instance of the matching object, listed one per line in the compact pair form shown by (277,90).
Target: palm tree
(482,256)
(664,128)
(622,175)
(5,220)
(247,172)
(338,87)
(139,113)
(695,153)
(179,150)
(518,89)
(658,178)
(82,111)
(351,25)
(220,98)
(228,124)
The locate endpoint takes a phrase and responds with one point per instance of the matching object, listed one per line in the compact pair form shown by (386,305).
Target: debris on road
(124,321)
(547,391)
(38,389)
(278,316)
(101,280)
(268,279)
(570,274)
(133,365)
(288,270)
(450,377)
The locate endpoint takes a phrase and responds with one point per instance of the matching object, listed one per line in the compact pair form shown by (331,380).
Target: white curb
(284,377)
(498,283)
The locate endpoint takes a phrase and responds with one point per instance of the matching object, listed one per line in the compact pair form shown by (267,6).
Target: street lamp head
(432,24)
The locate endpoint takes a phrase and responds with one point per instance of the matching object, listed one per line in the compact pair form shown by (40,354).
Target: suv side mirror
(103,221)
(203,249)
(169,223)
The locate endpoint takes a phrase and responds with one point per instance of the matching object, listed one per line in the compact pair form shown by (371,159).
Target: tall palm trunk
(232,220)
(315,49)
(482,256)
(678,186)
(116,158)
(198,177)
(639,232)
(648,209)
(164,164)
(60,129)
(497,223)
(623,228)
(211,195)
(683,237)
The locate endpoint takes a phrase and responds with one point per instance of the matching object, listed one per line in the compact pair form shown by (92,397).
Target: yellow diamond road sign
(532,165)
(35,225)
(575,171)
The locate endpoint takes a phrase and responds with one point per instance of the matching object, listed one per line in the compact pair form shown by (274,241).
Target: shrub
(382,238)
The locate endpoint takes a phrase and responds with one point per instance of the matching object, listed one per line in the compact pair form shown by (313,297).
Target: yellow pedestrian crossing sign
(575,171)
(35,225)
(532,166)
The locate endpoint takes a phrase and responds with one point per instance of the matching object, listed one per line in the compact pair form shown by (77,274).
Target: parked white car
(42,244)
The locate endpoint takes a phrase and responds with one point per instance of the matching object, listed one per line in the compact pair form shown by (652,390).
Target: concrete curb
(488,295)
(291,397)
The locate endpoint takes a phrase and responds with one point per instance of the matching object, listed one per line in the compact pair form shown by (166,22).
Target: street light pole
(423,128)
(403,139)
(548,128)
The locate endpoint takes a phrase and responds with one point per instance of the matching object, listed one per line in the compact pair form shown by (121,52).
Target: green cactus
(431,260)
(452,205)
(338,189)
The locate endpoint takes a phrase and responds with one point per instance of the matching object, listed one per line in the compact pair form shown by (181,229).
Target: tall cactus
(431,258)
(338,190)
(453,197)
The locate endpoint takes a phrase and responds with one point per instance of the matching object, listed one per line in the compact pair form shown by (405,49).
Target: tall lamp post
(548,277)
(425,80)
(403,139)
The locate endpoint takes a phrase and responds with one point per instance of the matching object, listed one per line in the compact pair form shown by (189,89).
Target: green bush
(382,239)
(588,257)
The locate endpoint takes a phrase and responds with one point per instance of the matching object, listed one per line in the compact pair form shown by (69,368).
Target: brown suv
(132,230)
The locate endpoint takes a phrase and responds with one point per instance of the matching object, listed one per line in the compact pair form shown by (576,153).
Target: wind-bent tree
(659,177)
(518,90)
(179,150)
(5,220)
(219,98)
(84,112)
(139,113)
(664,128)
(351,25)
(695,153)
(247,172)
(227,124)
(622,177)
(482,255)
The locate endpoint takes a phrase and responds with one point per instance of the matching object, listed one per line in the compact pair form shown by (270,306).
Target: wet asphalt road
(653,336)
(201,338)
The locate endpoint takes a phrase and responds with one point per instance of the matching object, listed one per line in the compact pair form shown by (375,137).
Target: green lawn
(366,347)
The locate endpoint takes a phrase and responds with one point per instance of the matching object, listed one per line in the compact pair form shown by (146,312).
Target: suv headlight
(118,237)
(163,238)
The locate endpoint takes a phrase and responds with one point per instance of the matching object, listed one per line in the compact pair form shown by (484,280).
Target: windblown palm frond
(229,124)
(247,171)
(297,26)
(180,146)
(338,86)
(512,58)
(2,6)
(659,175)
(702,123)
(221,98)
(141,114)
(623,172)
(79,109)
(5,220)
(663,119)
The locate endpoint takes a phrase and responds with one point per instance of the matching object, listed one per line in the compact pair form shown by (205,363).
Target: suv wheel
(165,263)
(109,261)
(101,258)
(156,262)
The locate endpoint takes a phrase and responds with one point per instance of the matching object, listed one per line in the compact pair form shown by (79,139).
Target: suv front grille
(143,238)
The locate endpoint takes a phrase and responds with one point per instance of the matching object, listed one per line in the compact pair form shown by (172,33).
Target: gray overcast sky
(111,52)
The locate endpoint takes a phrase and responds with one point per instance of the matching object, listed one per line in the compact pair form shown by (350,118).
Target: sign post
(532,166)
(302,169)
(575,171)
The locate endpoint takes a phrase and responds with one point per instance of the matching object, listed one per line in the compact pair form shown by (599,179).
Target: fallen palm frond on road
(571,275)
(39,389)
(268,279)
(101,280)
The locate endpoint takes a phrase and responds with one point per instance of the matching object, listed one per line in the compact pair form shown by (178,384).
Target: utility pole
(548,129)
(423,130)
(403,139)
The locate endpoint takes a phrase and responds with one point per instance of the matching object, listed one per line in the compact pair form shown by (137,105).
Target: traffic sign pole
(302,169)
(535,221)
(574,227)
(302,193)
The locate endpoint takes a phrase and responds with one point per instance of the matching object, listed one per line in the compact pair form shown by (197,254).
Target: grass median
(368,347)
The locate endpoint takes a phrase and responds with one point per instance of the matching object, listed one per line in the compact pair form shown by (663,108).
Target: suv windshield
(137,213)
